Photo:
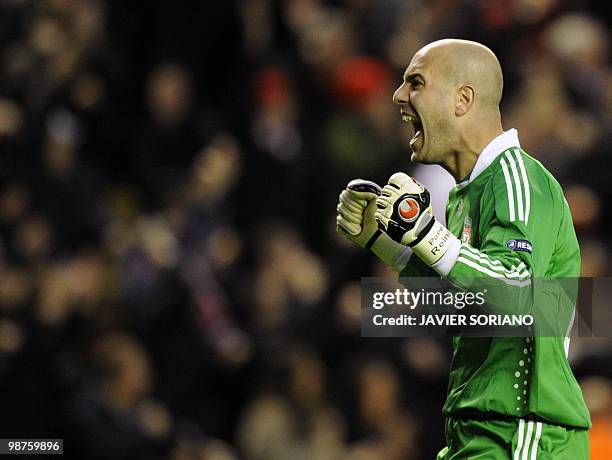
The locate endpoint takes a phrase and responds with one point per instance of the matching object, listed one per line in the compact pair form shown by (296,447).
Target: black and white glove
(404,213)
(356,221)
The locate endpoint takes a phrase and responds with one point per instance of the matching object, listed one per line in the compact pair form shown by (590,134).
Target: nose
(400,96)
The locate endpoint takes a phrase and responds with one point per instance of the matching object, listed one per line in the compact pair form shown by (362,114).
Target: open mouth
(416,122)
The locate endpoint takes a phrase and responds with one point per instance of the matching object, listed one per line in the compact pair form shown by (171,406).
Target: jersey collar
(498,145)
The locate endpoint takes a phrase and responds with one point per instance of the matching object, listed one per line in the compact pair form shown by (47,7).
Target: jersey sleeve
(506,241)
(508,237)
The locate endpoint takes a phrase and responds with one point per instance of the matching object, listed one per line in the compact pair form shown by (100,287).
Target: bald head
(470,63)
(450,93)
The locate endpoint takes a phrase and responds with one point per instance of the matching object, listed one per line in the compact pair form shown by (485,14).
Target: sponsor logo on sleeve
(519,245)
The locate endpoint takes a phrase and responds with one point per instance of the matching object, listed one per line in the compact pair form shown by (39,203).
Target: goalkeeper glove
(356,221)
(404,213)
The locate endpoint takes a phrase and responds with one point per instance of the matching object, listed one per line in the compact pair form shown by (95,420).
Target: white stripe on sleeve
(493,274)
(509,189)
(517,187)
(519,158)
(515,271)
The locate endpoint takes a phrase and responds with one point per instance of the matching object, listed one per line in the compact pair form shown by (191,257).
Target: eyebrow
(410,77)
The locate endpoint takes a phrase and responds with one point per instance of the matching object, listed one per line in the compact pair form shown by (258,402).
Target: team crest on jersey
(459,209)
(519,245)
(466,236)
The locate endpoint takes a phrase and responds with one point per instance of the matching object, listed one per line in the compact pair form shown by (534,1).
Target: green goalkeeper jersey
(514,225)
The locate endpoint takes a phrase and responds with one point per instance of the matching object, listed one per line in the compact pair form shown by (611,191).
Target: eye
(415,84)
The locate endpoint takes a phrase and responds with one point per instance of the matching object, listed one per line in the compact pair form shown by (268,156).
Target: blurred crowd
(171,284)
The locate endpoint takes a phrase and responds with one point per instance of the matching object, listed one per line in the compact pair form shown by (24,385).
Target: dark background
(171,284)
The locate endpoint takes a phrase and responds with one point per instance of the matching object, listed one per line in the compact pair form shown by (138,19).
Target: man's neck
(461,162)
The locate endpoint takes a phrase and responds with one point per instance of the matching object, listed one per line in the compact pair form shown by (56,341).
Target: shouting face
(426,99)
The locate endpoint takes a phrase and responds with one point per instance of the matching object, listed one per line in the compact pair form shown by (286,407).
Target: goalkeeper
(508,397)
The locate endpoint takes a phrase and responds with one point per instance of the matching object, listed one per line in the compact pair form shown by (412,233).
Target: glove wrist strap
(433,242)
(373,239)
(393,254)
(423,233)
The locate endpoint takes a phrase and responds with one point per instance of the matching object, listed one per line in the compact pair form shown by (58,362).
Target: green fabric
(485,439)
(514,198)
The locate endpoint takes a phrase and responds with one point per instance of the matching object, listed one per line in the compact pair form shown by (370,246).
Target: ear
(465,100)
